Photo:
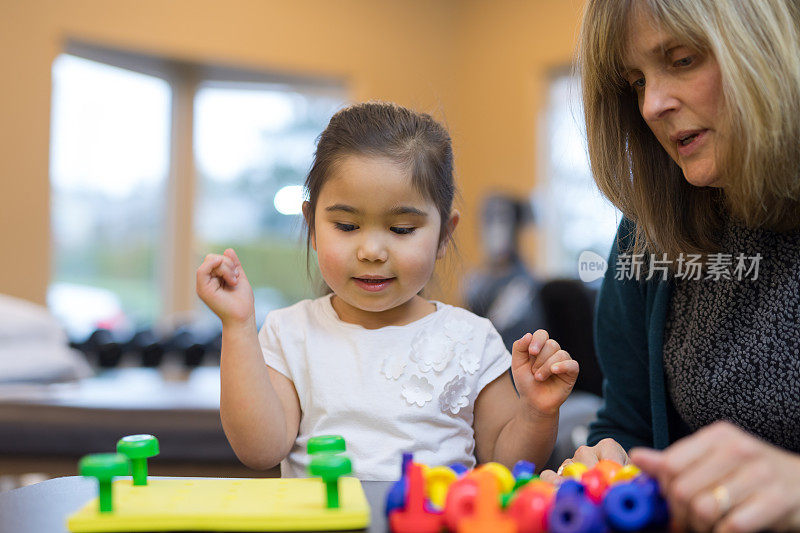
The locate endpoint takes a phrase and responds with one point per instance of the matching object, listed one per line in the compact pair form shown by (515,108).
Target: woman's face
(679,92)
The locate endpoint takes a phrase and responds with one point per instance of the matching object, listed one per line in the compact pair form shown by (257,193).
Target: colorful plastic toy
(138,448)
(207,504)
(492,498)
(414,517)
(105,467)
(487,515)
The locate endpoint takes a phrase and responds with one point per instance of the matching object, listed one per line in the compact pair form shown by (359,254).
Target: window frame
(176,266)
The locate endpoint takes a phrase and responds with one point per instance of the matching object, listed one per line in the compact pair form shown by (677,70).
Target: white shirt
(386,390)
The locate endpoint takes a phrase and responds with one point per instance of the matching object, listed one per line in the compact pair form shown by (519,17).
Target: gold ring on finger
(723,498)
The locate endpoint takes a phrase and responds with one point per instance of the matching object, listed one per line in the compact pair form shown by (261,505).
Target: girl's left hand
(725,479)
(543,373)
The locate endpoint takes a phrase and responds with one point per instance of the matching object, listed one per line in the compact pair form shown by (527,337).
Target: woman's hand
(223,286)
(589,455)
(543,373)
(724,479)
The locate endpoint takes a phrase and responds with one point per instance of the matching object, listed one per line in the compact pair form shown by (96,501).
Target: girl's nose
(659,99)
(372,248)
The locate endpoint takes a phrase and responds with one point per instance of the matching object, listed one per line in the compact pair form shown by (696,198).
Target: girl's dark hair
(387,130)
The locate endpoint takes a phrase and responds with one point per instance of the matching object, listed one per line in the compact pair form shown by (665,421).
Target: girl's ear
(450,227)
(306,214)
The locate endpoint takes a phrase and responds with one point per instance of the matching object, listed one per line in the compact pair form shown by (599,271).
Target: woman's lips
(373,284)
(685,150)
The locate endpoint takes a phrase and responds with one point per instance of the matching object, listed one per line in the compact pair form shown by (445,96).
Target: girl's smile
(373,284)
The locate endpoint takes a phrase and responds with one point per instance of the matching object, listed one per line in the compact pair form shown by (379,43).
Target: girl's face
(680,97)
(377,240)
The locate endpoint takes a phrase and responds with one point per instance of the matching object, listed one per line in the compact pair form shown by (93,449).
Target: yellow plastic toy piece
(505,479)
(626,473)
(437,482)
(574,470)
(197,504)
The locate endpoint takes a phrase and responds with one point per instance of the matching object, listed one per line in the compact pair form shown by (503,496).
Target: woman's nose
(659,99)
(372,248)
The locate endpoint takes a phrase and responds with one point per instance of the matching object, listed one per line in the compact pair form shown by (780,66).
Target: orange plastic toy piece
(487,516)
(608,468)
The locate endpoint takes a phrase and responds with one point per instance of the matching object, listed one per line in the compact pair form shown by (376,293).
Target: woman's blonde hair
(757,46)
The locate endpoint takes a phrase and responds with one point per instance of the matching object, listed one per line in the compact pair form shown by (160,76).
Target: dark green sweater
(629,340)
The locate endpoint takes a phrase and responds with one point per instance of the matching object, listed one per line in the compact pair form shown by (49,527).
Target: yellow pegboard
(179,504)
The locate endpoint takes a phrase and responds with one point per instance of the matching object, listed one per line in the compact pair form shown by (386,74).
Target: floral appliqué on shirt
(431,351)
(460,332)
(393,366)
(417,390)
(454,397)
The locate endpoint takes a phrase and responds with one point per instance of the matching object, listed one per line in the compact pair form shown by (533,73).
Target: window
(574,216)
(129,132)
(254,147)
(109,162)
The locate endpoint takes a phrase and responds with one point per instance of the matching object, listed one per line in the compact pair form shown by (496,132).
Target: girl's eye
(684,61)
(402,230)
(345,227)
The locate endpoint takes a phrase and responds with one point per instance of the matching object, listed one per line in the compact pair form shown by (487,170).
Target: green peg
(326,444)
(523,480)
(138,448)
(505,498)
(330,467)
(105,467)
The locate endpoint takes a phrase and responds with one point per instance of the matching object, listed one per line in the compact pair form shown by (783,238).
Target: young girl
(374,361)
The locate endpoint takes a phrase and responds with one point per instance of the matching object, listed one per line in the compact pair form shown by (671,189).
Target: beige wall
(480,66)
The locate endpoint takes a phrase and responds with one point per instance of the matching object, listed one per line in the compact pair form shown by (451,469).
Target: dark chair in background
(569,315)
(568,306)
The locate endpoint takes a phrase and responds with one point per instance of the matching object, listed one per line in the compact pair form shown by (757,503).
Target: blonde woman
(692,110)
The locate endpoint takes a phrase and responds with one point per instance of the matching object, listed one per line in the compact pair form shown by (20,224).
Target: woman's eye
(402,230)
(684,61)
(344,227)
(638,84)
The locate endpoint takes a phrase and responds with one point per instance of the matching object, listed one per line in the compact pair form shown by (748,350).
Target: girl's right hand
(590,455)
(223,286)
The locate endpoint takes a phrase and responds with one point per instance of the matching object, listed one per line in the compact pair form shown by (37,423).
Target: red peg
(460,501)
(595,483)
(414,518)
(530,508)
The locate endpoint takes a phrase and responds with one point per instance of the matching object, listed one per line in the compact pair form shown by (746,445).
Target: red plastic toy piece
(594,481)
(414,518)
(487,515)
(530,508)
(460,501)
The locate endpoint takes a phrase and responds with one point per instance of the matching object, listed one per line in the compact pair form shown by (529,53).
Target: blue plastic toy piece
(458,468)
(627,507)
(635,505)
(523,470)
(396,497)
(570,488)
(573,513)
